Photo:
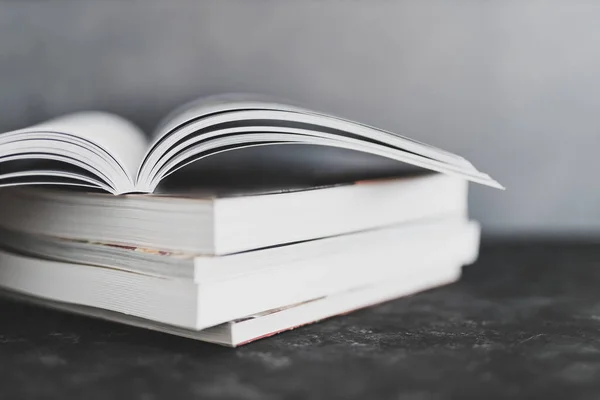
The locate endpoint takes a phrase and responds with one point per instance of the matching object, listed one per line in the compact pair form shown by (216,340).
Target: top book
(104,151)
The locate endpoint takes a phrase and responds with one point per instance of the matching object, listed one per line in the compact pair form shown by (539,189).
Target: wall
(512,85)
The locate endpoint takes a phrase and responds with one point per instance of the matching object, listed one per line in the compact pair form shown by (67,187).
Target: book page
(227,130)
(231,102)
(224,123)
(119,137)
(101,144)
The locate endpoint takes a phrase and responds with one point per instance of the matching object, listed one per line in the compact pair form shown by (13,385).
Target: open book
(237,132)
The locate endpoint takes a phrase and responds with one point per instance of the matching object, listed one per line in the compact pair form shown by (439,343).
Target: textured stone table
(523,322)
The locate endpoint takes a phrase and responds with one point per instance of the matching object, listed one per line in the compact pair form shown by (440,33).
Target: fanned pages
(104,151)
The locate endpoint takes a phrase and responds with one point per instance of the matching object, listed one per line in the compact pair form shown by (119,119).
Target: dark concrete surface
(524,322)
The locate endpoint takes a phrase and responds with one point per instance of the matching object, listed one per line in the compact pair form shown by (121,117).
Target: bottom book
(209,291)
(249,329)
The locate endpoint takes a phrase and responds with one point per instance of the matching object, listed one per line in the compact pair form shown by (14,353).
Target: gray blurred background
(514,86)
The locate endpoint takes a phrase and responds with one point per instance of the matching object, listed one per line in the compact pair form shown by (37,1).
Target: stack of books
(237,219)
